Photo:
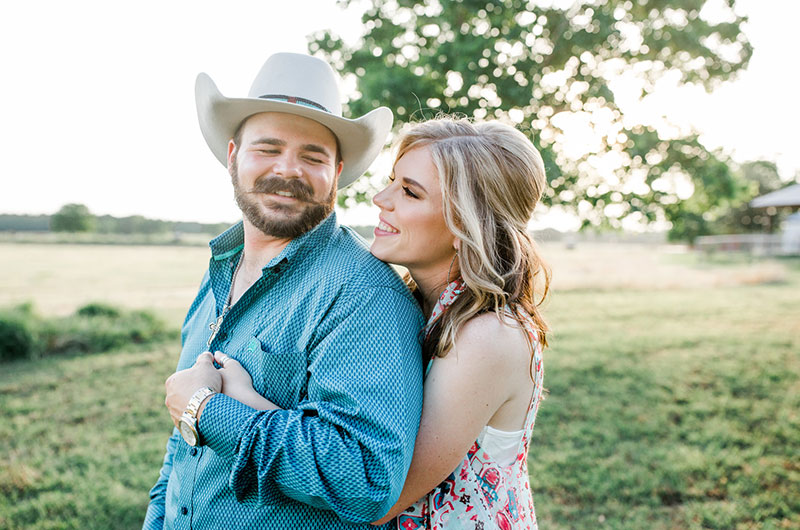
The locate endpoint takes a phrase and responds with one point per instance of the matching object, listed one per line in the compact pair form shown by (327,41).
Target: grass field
(674,391)
(671,409)
(61,278)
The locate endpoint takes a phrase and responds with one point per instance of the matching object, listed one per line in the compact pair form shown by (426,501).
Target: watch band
(196,399)
(187,425)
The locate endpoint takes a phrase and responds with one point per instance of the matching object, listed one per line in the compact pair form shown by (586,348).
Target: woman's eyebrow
(414,183)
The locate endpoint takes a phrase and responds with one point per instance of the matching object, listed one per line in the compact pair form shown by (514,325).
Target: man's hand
(181,385)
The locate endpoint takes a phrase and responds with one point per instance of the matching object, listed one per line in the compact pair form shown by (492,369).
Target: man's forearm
(303,456)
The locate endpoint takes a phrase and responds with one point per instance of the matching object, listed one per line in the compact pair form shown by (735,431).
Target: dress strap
(446,299)
(533,404)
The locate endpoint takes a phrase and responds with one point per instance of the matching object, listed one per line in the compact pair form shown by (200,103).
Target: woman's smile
(385,229)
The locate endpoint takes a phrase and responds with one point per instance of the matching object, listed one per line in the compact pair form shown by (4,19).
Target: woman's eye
(410,193)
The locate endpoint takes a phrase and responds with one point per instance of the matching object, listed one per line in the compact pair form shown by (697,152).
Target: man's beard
(288,227)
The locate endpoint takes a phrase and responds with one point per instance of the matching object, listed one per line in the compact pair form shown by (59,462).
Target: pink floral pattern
(481,494)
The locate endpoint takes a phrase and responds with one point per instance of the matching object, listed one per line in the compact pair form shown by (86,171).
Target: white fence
(755,244)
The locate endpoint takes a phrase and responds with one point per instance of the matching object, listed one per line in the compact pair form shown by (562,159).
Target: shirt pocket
(280,376)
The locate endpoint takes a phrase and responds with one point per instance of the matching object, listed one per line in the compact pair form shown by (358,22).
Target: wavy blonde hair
(491,178)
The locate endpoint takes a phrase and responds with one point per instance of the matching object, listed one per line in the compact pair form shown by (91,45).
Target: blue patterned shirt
(331,335)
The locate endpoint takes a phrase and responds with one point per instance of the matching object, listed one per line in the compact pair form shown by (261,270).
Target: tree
(72,218)
(24,223)
(542,66)
(759,178)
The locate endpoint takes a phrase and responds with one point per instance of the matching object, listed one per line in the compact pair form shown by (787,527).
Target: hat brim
(360,140)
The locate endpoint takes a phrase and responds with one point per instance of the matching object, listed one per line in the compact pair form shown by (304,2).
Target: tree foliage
(24,223)
(72,218)
(545,64)
(78,218)
(759,178)
(133,224)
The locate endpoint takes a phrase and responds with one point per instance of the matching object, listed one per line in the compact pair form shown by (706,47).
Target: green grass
(671,409)
(82,438)
(667,408)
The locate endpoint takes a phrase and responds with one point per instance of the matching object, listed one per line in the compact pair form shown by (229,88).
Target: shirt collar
(231,241)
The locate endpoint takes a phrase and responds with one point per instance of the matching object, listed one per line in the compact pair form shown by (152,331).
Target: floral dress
(481,494)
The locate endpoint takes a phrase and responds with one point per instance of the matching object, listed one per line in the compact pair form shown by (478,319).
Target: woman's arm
(462,392)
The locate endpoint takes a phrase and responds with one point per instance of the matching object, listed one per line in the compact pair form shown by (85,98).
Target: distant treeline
(107,224)
(24,223)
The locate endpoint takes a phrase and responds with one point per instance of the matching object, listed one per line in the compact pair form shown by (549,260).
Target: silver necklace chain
(233,282)
(216,324)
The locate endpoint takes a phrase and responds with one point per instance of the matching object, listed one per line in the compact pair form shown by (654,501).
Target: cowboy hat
(294,84)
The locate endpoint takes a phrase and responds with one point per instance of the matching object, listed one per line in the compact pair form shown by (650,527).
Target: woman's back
(487,486)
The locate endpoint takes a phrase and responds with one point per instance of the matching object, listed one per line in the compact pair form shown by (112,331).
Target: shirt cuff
(221,423)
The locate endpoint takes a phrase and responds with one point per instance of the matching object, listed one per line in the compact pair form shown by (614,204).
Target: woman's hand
(238,384)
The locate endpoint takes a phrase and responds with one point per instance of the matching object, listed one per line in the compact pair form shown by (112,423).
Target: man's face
(284,173)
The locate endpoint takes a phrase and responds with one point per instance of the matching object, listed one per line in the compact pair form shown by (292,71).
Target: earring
(451,266)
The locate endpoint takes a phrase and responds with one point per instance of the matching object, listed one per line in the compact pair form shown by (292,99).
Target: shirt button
(223,335)
(184,510)
(193,452)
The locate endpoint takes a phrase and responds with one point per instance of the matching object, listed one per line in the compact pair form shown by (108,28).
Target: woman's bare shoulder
(488,338)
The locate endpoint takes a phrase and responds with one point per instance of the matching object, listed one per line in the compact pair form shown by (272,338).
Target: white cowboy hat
(294,84)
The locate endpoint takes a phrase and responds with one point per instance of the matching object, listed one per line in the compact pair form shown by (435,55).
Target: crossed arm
(462,393)
(347,445)
(230,379)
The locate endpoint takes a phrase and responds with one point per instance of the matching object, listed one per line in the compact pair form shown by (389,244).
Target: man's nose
(286,166)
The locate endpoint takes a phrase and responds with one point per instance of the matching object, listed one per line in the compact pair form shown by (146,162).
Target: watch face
(187,432)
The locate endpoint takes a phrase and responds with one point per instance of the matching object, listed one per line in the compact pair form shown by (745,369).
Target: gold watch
(187,425)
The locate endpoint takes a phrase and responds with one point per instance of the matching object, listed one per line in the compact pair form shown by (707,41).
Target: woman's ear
(457,244)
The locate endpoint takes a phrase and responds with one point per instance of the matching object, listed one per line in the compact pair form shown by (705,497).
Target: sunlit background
(673,364)
(97,103)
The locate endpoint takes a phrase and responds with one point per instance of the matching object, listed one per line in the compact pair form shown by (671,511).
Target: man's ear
(339,169)
(232,151)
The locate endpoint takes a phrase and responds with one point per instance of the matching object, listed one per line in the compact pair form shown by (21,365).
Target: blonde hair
(491,178)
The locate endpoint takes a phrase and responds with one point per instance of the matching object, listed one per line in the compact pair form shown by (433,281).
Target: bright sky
(97,99)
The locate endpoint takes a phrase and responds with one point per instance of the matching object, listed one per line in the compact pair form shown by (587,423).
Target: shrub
(103,331)
(16,338)
(17,332)
(97,309)
(93,328)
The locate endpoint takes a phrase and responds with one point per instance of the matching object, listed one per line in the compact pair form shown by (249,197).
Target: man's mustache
(299,189)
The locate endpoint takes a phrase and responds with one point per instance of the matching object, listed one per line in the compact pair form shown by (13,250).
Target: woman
(455,215)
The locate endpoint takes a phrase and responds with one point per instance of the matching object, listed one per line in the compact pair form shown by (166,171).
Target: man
(327,332)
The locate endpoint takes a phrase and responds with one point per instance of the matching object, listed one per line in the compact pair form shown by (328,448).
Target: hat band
(296,100)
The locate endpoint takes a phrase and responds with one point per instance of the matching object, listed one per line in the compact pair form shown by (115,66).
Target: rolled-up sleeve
(347,447)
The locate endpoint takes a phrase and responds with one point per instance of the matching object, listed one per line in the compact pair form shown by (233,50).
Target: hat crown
(294,75)
(293,84)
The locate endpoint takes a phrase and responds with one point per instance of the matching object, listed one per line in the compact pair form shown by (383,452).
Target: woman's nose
(381,199)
